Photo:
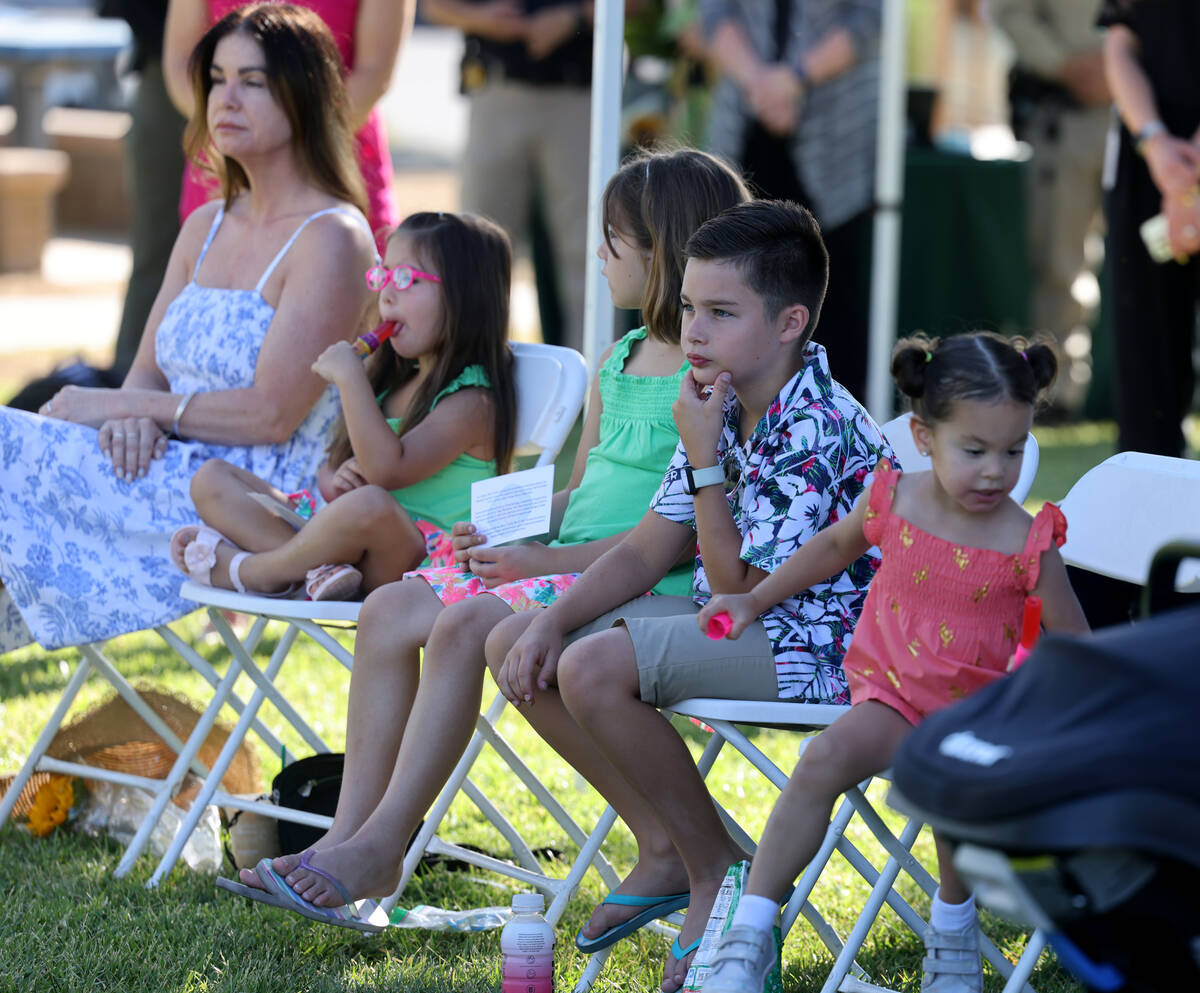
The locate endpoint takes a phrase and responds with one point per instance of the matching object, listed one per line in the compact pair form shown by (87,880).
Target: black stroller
(1072,792)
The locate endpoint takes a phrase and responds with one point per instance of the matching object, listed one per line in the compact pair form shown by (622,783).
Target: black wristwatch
(696,479)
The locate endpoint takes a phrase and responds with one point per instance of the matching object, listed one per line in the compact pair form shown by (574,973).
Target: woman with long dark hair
(260,282)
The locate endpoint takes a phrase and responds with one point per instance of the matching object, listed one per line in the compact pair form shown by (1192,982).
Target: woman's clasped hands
(132,443)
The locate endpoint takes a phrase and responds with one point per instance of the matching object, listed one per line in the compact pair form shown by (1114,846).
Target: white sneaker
(952,962)
(742,961)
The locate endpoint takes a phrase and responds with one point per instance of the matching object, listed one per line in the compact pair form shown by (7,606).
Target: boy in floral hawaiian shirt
(771,450)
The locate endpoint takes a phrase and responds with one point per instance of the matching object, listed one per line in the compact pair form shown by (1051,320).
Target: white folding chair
(552,382)
(1122,511)
(899,436)
(551,386)
(725,718)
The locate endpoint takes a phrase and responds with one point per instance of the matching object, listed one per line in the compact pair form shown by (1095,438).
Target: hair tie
(929,356)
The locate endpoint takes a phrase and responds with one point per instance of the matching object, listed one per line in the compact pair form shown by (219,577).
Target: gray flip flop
(255,893)
(359,915)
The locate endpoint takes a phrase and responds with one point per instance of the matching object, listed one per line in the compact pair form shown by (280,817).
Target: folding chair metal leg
(203,726)
(520,849)
(543,796)
(200,664)
(866,919)
(799,903)
(847,975)
(264,678)
(724,732)
(592,970)
(93,660)
(74,684)
(528,871)
(241,662)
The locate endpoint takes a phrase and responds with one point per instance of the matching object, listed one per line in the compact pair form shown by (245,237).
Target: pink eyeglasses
(402,277)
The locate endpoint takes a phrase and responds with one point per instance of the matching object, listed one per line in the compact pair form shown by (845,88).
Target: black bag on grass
(310,784)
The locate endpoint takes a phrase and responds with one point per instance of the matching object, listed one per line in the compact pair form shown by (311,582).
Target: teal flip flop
(655,907)
(679,953)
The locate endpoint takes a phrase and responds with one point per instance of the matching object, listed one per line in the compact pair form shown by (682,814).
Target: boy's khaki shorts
(676,660)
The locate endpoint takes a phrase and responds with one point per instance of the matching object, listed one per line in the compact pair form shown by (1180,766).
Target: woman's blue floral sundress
(83,556)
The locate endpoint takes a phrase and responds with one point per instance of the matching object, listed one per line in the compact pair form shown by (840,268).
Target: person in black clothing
(154,170)
(1150,59)
(527,69)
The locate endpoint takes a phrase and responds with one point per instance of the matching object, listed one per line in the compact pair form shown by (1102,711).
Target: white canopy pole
(608,49)
(889,200)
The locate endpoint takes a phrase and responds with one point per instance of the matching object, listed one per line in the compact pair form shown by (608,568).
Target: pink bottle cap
(719,625)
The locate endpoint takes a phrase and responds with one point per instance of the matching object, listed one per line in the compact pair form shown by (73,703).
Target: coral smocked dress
(941,620)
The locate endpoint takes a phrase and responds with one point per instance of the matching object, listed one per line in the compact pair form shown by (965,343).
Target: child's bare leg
(660,870)
(598,680)
(439,727)
(951,888)
(366,528)
(221,491)
(394,623)
(859,744)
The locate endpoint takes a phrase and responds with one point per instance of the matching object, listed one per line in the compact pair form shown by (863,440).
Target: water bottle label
(527,974)
(532,941)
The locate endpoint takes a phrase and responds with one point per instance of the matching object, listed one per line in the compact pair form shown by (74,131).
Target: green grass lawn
(69,925)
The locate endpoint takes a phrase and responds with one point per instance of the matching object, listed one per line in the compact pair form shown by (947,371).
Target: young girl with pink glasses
(430,412)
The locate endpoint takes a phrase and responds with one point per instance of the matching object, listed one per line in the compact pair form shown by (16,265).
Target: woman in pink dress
(368,34)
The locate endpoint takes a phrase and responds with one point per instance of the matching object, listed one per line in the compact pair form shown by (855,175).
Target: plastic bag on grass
(118,811)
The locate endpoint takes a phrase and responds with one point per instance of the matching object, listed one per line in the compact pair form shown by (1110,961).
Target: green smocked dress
(623,471)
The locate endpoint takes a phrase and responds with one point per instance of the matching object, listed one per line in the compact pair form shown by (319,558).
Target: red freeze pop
(365,344)
(1031,627)
(719,625)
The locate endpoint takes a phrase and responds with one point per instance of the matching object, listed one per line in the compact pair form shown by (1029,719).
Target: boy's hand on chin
(700,417)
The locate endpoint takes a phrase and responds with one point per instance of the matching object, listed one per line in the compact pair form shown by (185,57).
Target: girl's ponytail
(1043,363)
(910,363)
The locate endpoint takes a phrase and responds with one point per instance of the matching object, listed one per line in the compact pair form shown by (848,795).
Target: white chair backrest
(1123,510)
(551,384)
(899,436)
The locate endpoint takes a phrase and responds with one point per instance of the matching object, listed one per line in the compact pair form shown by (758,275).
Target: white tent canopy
(607,79)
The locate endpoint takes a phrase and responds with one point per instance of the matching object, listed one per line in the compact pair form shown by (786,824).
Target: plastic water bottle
(527,947)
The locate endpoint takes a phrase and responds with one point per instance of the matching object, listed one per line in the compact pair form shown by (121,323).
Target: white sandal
(235,577)
(332,581)
(194,551)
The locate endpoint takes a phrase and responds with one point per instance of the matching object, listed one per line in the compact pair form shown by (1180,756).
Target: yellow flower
(51,805)
(39,823)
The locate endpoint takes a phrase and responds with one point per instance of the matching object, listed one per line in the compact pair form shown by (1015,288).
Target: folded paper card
(517,505)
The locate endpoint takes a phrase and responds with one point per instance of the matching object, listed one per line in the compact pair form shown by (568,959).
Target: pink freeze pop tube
(365,344)
(719,625)
(1031,627)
